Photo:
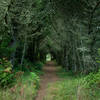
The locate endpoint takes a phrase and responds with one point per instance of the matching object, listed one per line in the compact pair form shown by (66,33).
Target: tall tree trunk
(14,46)
(24,51)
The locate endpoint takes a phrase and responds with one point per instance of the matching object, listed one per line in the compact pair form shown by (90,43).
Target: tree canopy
(68,29)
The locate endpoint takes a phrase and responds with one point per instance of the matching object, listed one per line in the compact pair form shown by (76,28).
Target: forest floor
(57,84)
(50,70)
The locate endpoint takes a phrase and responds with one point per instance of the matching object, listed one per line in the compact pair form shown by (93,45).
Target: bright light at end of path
(48,57)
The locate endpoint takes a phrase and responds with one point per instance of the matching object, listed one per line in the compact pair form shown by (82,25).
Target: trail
(50,76)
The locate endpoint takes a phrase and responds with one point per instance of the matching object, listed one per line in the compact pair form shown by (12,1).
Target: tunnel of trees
(68,29)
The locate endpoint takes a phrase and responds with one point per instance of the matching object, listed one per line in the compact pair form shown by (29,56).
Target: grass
(27,83)
(24,89)
(70,87)
(66,88)
(23,92)
(62,91)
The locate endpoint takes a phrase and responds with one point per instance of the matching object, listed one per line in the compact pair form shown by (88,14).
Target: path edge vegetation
(72,86)
(17,84)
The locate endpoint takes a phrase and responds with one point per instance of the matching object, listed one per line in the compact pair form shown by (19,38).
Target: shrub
(28,66)
(5,49)
(32,78)
(35,78)
(92,80)
(20,91)
(38,65)
(6,74)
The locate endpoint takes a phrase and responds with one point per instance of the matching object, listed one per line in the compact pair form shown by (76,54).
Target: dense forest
(66,30)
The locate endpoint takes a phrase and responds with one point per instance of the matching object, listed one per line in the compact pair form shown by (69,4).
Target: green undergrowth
(91,85)
(19,84)
(31,67)
(74,87)
(25,88)
(65,88)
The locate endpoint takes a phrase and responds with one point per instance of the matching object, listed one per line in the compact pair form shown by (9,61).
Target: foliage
(72,33)
(76,34)
(64,89)
(26,83)
(7,77)
(92,80)
(38,65)
(74,87)
(31,78)
(25,88)
(5,51)
(89,86)
(35,79)
(31,67)
(20,35)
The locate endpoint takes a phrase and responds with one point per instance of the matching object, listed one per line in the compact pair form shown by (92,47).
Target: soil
(49,76)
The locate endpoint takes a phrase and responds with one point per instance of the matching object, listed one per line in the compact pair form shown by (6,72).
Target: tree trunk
(24,51)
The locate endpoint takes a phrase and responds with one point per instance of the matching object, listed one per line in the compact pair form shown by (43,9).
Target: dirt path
(49,77)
